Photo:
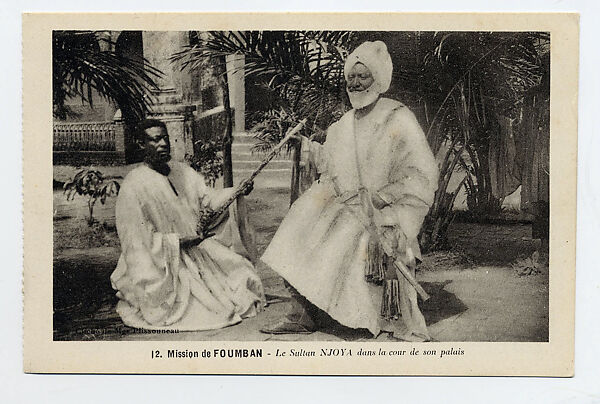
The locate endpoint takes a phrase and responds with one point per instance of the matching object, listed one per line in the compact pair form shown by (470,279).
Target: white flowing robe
(321,246)
(163,286)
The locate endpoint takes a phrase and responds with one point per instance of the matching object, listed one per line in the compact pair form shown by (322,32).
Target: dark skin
(157,155)
(157,149)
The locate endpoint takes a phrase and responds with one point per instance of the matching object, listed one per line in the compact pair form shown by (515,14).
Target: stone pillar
(119,134)
(158,48)
(119,137)
(237,90)
(169,106)
(105,40)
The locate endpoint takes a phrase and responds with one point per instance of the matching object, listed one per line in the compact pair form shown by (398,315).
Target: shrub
(93,185)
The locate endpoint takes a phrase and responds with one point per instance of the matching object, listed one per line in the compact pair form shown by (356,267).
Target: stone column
(105,39)
(168,100)
(158,48)
(119,134)
(237,90)
(119,137)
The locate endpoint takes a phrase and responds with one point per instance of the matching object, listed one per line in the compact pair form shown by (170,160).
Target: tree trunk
(91,203)
(295,185)
(228,136)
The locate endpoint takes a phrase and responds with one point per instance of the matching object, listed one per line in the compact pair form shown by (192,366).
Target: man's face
(360,88)
(359,78)
(158,148)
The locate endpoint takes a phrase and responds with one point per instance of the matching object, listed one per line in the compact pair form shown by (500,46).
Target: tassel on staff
(390,304)
(376,263)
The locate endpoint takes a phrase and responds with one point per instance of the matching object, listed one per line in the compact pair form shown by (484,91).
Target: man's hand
(394,238)
(192,241)
(248,187)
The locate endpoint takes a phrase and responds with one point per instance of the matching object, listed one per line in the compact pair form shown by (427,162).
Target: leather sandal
(287,327)
(410,337)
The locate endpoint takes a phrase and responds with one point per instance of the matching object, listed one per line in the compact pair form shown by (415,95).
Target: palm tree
(304,69)
(463,82)
(80,66)
(472,80)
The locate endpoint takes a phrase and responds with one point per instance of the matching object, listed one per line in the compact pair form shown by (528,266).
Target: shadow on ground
(475,294)
(84,301)
(491,244)
(441,304)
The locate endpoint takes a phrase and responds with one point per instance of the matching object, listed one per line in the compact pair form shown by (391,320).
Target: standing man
(167,277)
(377,172)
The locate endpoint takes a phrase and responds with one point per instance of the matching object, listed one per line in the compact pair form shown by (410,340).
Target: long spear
(207,217)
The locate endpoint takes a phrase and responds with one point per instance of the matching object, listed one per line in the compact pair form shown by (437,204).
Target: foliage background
(461,85)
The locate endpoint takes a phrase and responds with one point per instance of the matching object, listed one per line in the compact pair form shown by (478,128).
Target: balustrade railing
(85,136)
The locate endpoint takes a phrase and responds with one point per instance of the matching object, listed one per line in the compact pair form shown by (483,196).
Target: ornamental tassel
(390,304)
(376,263)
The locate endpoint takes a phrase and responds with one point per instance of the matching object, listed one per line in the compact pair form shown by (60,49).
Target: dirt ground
(476,292)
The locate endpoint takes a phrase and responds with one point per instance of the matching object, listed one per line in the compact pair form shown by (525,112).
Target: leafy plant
(207,160)
(303,68)
(529,265)
(93,185)
(441,214)
(471,79)
(79,65)
(460,81)
(271,128)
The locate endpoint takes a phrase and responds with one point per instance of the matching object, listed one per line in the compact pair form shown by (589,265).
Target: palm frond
(79,66)
(310,60)
(304,70)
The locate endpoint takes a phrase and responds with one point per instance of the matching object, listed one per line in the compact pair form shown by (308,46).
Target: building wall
(183,95)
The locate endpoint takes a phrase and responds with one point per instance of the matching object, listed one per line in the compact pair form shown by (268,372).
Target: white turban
(375,56)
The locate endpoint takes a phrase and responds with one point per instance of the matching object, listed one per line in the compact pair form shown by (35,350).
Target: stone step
(244,151)
(245,156)
(243,138)
(247,171)
(245,147)
(253,164)
(242,146)
(258,157)
(239,135)
(277,174)
(268,178)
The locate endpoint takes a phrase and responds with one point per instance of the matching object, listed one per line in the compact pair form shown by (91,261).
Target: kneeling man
(166,277)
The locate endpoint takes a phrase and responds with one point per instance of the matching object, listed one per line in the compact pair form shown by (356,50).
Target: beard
(361,99)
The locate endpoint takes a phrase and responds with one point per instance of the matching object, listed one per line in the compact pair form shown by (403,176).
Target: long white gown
(321,247)
(162,286)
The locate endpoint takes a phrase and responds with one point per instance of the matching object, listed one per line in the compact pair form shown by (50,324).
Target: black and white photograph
(300,201)
(297,185)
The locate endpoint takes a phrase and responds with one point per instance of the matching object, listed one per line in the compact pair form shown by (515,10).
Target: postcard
(300,193)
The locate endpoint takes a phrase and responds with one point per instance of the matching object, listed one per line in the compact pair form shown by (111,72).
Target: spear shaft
(209,216)
(273,153)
